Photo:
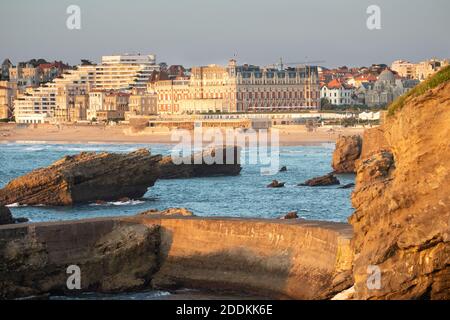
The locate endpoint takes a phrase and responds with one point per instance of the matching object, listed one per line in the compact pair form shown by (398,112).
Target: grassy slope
(430,83)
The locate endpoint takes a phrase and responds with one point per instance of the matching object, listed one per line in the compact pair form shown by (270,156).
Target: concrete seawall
(275,258)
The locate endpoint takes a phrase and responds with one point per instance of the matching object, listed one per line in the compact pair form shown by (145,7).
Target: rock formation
(283,169)
(7,218)
(270,258)
(111,255)
(347,151)
(198,165)
(85,177)
(326,180)
(275,184)
(402,201)
(290,215)
(5,215)
(169,212)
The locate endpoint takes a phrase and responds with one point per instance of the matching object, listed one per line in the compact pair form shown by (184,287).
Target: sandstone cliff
(112,255)
(85,177)
(196,166)
(402,201)
(347,151)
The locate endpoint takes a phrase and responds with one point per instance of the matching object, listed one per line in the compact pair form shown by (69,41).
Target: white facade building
(124,72)
(337,93)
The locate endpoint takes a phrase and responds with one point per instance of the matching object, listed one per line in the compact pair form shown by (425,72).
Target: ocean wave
(119,203)
(16,205)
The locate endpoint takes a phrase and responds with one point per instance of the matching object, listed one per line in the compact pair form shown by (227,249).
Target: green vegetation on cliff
(430,83)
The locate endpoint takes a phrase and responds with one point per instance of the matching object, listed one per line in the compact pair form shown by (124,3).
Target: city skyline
(255,32)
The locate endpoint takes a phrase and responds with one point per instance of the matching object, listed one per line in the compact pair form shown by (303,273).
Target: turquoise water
(245,195)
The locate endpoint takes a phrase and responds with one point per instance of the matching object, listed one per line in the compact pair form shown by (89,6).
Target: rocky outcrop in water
(326,180)
(5,215)
(276,184)
(109,255)
(212,162)
(169,212)
(402,201)
(290,215)
(7,218)
(347,151)
(85,177)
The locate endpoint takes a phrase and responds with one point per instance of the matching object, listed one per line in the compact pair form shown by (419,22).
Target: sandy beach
(10,132)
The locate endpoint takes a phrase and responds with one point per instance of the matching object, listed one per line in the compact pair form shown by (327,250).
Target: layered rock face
(402,201)
(85,177)
(203,164)
(347,151)
(111,255)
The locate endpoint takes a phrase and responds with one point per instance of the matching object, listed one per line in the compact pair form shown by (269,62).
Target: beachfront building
(71,86)
(124,72)
(107,105)
(142,103)
(7,96)
(54,100)
(36,105)
(337,93)
(234,88)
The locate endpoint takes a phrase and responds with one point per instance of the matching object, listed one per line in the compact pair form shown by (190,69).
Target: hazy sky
(199,32)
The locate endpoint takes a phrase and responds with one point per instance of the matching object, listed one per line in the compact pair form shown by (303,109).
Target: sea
(245,195)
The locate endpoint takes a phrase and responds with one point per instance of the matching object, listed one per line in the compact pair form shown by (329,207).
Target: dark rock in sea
(283,169)
(7,218)
(275,184)
(5,215)
(326,180)
(212,162)
(347,151)
(347,186)
(290,215)
(21,220)
(85,177)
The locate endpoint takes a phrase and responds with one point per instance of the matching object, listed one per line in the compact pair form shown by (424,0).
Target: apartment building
(7,95)
(419,71)
(52,101)
(124,72)
(142,103)
(36,105)
(107,105)
(25,75)
(404,68)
